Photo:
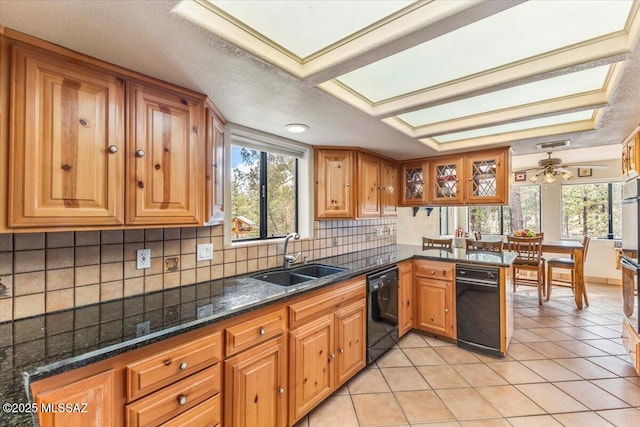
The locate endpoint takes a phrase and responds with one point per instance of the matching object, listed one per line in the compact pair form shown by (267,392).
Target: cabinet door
(389,190)
(334,176)
(435,311)
(368,186)
(413,178)
(487,177)
(97,392)
(165,152)
(255,382)
(350,341)
(67,148)
(625,159)
(632,156)
(405,297)
(311,378)
(446,173)
(214,172)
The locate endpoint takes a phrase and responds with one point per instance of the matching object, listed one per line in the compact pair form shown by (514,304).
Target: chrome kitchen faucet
(290,259)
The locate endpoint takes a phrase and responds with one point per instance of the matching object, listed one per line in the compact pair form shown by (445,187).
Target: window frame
(263,194)
(610,234)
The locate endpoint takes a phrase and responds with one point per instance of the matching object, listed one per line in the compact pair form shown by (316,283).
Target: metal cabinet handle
(280,390)
(341,350)
(140,153)
(446,310)
(348,184)
(262,331)
(432,272)
(182,399)
(332,356)
(183,366)
(113,149)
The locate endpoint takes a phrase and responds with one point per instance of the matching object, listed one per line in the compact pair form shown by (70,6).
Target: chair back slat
(529,249)
(484,245)
(429,243)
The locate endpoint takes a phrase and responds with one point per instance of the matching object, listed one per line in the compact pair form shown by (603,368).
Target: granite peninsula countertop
(38,347)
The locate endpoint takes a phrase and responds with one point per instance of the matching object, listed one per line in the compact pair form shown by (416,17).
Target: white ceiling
(318,85)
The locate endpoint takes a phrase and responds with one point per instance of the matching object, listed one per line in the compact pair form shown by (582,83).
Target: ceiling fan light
(567,175)
(534,178)
(549,178)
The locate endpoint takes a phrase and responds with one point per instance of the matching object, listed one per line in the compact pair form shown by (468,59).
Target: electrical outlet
(143,259)
(143,328)
(204,252)
(334,241)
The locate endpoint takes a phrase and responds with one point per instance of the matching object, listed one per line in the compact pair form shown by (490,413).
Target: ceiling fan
(548,169)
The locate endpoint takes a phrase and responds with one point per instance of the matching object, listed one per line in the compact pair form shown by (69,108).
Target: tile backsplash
(48,272)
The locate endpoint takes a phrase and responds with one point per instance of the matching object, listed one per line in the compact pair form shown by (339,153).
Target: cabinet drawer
(175,399)
(206,414)
(254,331)
(325,302)
(631,342)
(152,373)
(434,269)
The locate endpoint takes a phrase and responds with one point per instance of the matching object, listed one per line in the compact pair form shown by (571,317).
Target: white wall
(600,263)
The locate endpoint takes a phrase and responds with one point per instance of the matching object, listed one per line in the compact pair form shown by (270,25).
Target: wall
(48,272)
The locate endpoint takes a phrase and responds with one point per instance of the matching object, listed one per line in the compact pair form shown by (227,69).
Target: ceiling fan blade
(586,166)
(564,170)
(528,169)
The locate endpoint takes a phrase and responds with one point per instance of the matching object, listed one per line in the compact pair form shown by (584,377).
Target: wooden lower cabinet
(435,311)
(206,414)
(351,325)
(405,297)
(97,392)
(255,386)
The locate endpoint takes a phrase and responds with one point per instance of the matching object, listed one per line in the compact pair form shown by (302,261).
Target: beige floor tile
(582,419)
(584,368)
(522,352)
(393,358)
(578,333)
(524,335)
(436,342)
(550,398)
(551,350)
(423,407)
(534,421)
(622,389)
(368,381)
(467,404)
(515,372)
(622,417)
(499,422)
(378,410)
(455,355)
(509,401)
(336,410)
(608,346)
(602,331)
(478,374)
(449,424)
(526,323)
(550,370)
(424,356)
(580,348)
(342,390)
(590,395)
(615,365)
(442,376)
(403,379)
(412,340)
(551,334)
(554,322)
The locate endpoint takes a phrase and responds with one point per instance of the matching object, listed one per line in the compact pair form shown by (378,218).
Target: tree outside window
(263,194)
(523,212)
(591,210)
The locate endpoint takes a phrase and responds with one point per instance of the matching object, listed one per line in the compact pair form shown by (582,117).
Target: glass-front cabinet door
(413,179)
(446,173)
(487,177)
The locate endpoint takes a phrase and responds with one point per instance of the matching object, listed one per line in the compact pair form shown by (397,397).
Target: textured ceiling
(146,37)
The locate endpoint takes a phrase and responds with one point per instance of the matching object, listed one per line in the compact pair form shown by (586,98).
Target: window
(263,194)
(523,212)
(591,210)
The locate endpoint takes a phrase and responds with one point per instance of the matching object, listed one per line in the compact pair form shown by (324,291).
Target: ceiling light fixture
(296,127)
(549,176)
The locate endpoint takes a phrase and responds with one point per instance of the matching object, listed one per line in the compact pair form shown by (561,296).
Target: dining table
(575,248)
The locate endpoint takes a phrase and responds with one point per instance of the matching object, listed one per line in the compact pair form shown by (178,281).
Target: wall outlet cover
(204,252)
(143,258)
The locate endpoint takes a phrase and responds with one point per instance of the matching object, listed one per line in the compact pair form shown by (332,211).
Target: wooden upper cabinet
(214,168)
(96,392)
(487,177)
(389,190)
(369,186)
(67,146)
(165,153)
(631,156)
(414,180)
(446,174)
(334,173)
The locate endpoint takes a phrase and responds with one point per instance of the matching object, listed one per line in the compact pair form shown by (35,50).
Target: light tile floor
(564,367)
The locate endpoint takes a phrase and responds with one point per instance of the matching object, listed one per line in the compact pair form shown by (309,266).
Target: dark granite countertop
(38,347)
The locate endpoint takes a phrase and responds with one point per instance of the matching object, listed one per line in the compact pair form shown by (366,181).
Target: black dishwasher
(478,308)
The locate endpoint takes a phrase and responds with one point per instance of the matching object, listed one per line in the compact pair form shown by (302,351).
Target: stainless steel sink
(297,275)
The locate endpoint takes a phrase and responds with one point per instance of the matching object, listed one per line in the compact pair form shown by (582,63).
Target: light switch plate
(143,258)
(204,252)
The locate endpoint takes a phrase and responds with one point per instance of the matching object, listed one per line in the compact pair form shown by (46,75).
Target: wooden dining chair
(529,259)
(567,264)
(429,243)
(484,245)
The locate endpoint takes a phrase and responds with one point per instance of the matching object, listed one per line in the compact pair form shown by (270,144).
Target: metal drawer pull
(333,356)
(341,350)
(262,331)
(183,366)
(280,390)
(113,149)
(182,399)
(140,153)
